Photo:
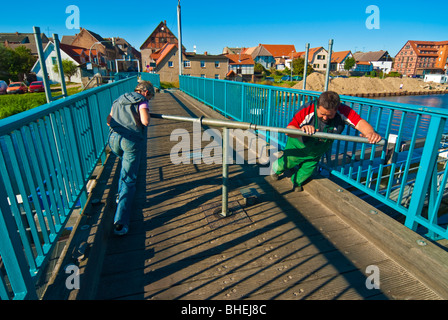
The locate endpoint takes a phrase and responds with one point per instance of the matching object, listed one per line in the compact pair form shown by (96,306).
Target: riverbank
(373,87)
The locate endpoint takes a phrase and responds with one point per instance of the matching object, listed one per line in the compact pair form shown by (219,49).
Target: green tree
(258,68)
(15,62)
(69,67)
(298,65)
(349,63)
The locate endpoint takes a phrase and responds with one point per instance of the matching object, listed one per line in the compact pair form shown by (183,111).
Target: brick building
(422,57)
(160,37)
(86,39)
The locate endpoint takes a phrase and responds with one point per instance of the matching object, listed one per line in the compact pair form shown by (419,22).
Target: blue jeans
(130,153)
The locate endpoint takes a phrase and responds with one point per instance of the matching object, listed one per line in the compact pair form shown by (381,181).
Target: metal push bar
(226,124)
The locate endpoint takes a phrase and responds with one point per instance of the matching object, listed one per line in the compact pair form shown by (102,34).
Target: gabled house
(91,40)
(261,55)
(75,54)
(160,37)
(380,60)
(338,60)
(280,52)
(241,66)
(317,58)
(422,57)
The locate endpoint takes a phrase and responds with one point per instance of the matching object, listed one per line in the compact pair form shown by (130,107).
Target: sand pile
(363,85)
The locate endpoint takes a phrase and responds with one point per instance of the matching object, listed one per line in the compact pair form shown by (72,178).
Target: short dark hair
(329,100)
(145,86)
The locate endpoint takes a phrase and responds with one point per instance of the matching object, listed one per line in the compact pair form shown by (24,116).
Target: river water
(432,100)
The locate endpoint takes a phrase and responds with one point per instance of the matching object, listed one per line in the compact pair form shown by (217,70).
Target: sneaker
(120,229)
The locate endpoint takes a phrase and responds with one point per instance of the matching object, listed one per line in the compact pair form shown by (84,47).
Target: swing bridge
(222,231)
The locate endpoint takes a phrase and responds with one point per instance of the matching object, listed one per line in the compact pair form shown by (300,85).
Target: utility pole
(179,31)
(330,49)
(307,49)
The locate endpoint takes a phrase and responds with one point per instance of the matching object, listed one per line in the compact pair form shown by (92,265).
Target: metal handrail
(253,126)
(227,124)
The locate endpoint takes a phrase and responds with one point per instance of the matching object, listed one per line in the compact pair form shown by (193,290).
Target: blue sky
(211,25)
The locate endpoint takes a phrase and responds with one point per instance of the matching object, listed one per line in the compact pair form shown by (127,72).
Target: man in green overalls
(328,115)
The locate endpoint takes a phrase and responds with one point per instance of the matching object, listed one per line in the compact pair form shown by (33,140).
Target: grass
(13,104)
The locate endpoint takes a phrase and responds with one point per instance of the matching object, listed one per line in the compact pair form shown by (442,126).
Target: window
(202,64)
(216,64)
(202,75)
(53,60)
(187,64)
(217,76)
(170,64)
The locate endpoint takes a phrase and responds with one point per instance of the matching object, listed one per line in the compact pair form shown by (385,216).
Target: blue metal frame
(401,170)
(47,157)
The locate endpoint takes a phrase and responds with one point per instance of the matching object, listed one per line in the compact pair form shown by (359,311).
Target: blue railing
(47,157)
(409,176)
(153,77)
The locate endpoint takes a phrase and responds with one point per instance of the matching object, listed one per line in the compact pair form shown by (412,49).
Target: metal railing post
(43,66)
(59,64)
(12,254)
(225,172)
(425,173)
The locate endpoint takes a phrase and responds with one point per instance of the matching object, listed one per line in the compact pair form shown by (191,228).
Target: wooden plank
(428,263)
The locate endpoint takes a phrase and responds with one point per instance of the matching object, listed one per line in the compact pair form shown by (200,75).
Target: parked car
(286,78)
(36,86)
(17,87)
(3,86)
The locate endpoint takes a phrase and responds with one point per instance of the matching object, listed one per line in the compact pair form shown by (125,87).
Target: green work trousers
(306,156)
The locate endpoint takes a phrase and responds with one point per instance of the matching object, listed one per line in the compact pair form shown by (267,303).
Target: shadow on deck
(286,246)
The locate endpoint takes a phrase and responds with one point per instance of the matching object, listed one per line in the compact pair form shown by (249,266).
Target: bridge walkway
(287,245)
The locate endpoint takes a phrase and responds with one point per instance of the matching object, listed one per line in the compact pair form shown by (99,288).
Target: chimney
(205,53)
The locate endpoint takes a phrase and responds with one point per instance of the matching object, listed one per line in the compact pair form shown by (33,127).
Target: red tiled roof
(364,63)
(279,50)
(311,53)
(159,55)
(236,59)
(338,57)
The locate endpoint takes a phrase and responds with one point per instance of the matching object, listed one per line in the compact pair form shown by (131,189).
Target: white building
(75,54)
(437,78)
(380,60)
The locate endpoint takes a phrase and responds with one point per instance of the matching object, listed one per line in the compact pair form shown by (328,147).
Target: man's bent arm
(367,131)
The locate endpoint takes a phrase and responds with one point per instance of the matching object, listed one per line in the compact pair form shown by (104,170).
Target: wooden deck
(287,246)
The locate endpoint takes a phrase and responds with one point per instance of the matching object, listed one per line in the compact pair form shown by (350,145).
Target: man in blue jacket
(128,118)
